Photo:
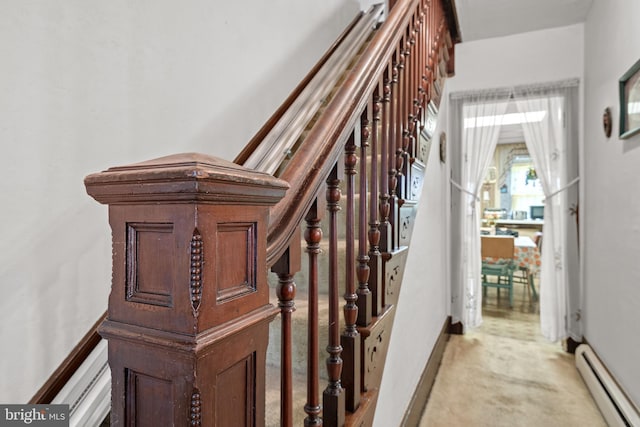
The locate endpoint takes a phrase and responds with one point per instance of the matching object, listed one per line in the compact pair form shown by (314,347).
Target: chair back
(497,246)
(538,240)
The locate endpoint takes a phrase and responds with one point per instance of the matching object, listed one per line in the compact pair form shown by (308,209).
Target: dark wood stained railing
(193,238)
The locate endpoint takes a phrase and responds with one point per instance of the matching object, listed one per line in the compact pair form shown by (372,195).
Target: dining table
(526,257)
(526,254)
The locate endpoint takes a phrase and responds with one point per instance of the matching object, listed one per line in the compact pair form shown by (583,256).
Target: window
(525,185)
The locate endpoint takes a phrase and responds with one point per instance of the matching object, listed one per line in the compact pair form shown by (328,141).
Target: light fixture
(505,119)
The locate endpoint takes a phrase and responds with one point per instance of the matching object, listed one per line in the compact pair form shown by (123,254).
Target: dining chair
(497,264)
(538,240)
(521,277)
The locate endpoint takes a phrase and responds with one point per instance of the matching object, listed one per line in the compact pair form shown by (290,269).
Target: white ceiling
(481,19)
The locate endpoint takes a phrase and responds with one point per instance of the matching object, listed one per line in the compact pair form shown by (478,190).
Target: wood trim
(456,328)
(570,345)
(428,377)
(451,15)
(69,366)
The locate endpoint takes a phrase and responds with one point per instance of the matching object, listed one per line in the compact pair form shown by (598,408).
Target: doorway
(548,115)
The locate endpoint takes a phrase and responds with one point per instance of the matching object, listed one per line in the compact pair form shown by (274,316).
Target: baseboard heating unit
(616,408)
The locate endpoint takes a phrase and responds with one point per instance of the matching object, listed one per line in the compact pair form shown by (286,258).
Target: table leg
(532,286)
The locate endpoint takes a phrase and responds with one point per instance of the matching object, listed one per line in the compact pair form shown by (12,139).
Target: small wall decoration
(531,176)
(443,147)
(630,102)
(606,122)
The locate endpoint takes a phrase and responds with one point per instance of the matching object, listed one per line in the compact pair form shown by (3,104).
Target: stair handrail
(315,158)
(281,138)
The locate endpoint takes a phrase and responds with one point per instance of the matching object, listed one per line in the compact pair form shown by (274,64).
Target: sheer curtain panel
(478,120)
(551,144)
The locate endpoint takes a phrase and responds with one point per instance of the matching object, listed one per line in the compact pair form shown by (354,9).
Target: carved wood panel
(407,213)
(235,275)
(140,409)
(393,273)
(417,177)
(149,281)
(235,399)
(376,343)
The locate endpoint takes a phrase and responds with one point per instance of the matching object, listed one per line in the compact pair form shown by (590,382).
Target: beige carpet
(506,374)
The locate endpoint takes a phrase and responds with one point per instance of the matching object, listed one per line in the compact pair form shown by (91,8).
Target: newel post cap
(185,178)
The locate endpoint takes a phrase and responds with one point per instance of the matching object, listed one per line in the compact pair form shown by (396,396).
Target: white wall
(88,84)
(423,302)
(534,57)
(611,212)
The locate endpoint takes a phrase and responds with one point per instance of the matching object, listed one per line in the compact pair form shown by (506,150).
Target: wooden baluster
(410,76)
(418,50)
(425,54)
(397,99)
(419,101)
(440,43)
(313,236)
(413,61)
(393,137)
(409,124)
(285,268)
(422,78)
(375,208)
(286,292)
(402,164)
(436,52)
(431,59)
(441,30)
(438,49)
(451,48)
(409,72)
(393,140)
(408,64)
(333,396)
(350,339)
(422,51)
(385,143)
(415,76)
(364,294)
(401,127)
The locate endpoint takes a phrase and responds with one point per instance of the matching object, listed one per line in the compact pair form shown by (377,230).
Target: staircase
(324,198)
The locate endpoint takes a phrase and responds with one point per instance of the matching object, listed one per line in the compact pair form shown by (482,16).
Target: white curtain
(480,127)
(547,113)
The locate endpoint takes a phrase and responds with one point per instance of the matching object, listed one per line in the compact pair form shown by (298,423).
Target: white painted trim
(88,392)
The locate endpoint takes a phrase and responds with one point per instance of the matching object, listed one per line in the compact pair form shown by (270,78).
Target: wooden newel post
(189,306)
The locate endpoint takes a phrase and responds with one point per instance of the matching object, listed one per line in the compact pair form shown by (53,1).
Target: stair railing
(193,238)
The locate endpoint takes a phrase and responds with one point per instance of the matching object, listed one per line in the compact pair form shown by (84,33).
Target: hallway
(506,374)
